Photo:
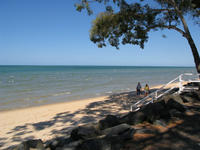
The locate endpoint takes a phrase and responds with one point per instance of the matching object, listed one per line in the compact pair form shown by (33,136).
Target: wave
(109,92)
(62,93)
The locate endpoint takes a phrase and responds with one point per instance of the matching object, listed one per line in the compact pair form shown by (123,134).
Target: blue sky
(52,32)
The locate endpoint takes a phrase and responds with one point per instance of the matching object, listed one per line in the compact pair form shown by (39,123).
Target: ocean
(27,86)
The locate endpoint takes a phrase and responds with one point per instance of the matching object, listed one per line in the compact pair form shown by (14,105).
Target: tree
(132,20)
(196,3)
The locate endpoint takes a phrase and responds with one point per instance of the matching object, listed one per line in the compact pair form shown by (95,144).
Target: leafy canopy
(131,22)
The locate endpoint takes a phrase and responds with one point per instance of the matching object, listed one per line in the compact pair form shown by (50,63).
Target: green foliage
(196,6)
(130,25)
(132,21)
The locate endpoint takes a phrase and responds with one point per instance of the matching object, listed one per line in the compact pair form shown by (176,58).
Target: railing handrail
(161,88)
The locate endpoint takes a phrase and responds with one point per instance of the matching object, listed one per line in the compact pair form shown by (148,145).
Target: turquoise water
(25,86)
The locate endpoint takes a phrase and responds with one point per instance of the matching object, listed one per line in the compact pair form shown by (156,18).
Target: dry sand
(41,122)
(49,121)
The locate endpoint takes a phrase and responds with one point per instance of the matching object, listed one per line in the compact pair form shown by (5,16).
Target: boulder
(177,98)
(172,104)
(128,118)
(30,145)
(108,122)
(155,111)
(65,148)
(133,118)
(145,131)
(57,142)
(191,96)
(84,132)
(94,144)
(150,113)
(112,139)
(160,123)
(176,113)
(124,131)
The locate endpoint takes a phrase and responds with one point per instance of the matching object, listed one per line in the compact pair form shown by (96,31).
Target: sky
(52,32)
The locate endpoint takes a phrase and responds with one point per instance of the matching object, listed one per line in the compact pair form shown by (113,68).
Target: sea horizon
(106,65)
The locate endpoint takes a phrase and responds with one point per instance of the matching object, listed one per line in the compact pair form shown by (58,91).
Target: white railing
(180,81)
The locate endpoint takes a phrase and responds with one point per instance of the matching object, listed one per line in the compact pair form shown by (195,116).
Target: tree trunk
(194,52)
(188,37)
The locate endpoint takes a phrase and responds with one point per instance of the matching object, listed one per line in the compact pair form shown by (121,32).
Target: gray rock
(133,118)
(64,145)
(155,111)
(145,131)
(176,113)
(84,132)
(123,130)
(150,113)
(172,104)
(113,139)
(94,144)
(65,148)
(178,98)
(108,122)
(30,145)
(191,96)
(160,122)
(127,118)
(58,142)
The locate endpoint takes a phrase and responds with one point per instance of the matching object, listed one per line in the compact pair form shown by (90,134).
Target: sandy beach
(41,122)
(54,120)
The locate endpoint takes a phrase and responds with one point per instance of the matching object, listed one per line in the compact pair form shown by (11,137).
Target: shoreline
(50,104)
(76,100)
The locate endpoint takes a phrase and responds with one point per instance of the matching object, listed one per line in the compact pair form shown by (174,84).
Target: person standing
(138,88)
(146,89)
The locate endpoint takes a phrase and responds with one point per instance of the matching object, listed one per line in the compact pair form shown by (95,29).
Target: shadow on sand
(115,105)
(185,134)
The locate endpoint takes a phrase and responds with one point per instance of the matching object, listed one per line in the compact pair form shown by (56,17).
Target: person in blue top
(138,88)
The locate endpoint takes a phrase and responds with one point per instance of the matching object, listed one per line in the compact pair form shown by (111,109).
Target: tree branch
(175,28)
(163,10)
(167,27)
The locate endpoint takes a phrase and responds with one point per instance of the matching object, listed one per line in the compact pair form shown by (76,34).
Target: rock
(160,123)
(114,143)
(65,148)
(145,131)
(177,98)
(64,145)
(108,122)
(113,139)
(150,113)
(58,142)
(133,118)
(176,113)
(94,144)
(84,132)
(124,131)
(139,117)
(127,118)
(172,104)
(191,96)
(30,145)
(155,111)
